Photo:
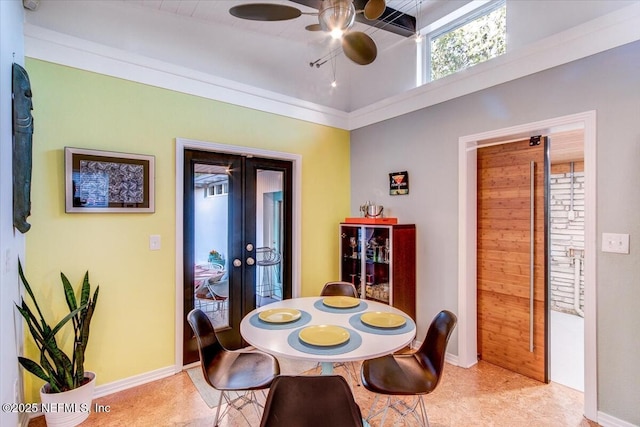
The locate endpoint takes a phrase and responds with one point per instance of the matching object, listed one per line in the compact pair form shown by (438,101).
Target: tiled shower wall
(567,236)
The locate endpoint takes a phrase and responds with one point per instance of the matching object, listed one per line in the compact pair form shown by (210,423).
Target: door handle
(237,262)
(532,206)
(250,261)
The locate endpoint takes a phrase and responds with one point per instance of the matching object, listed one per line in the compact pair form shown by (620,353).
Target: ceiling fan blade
(359,47)
(374,9)
(265,12)
(313,27)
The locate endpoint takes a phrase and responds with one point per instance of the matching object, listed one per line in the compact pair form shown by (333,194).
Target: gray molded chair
(237,371)
(311,401)
(413,374)
(346,289)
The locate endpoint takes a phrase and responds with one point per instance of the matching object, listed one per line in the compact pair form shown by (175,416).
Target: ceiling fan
(334,16)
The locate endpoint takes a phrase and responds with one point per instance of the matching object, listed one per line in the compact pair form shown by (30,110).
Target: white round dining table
(364,342)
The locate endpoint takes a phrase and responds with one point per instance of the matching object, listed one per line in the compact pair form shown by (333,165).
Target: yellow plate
(341,302)
(280,315)
(324,335)
(383,320)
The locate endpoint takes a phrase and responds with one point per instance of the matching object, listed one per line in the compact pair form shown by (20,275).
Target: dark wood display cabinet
(380,260)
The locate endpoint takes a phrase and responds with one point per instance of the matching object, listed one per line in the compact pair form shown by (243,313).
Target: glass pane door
(269,236)
(351,260)
(210,243)
(377,263)
(237,240)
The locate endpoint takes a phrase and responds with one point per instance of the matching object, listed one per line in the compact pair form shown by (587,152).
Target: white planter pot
(69,408)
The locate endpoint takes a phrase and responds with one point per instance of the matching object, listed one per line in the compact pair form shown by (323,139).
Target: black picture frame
(398,183)
(105,181)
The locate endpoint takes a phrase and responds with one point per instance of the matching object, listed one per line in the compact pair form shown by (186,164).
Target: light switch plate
(616,243)
(154,242)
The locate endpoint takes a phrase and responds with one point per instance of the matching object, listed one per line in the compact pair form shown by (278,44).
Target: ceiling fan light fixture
(336,15)
(336,33)
(374,9)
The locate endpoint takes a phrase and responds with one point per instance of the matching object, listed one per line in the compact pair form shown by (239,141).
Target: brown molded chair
(224,370)
(311,401)
(415,374)
(342,289)
(345,289)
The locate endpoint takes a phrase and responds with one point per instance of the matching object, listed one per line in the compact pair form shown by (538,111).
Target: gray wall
(425,143)
(532,20)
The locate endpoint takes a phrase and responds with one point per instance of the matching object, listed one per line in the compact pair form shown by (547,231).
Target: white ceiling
(273,56)
(216,12)
(197,47)
(277,56)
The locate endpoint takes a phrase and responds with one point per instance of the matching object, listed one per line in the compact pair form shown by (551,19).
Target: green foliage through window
(471,43)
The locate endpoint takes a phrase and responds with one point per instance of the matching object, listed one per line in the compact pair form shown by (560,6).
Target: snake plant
(62,371)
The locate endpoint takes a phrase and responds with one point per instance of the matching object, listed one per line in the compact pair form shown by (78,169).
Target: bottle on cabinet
(380,260)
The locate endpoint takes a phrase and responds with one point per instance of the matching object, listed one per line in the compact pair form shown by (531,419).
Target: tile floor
(567,350)
(484,395)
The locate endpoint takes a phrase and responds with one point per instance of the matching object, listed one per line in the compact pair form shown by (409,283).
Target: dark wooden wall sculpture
(22,147)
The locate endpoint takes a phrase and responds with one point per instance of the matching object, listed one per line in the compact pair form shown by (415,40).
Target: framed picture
(398,183)
(104,181)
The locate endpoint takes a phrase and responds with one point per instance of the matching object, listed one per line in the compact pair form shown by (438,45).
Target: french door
(237,239)
(512,256)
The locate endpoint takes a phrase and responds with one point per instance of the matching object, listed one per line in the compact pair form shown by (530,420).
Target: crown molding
(59,48)
(606,32)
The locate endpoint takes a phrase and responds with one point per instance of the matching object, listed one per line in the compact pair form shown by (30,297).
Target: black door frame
(295,177)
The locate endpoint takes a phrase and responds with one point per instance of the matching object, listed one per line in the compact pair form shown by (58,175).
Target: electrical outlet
(616,243)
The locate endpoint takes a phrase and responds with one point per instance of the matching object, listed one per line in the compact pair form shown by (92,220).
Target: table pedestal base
(327,368)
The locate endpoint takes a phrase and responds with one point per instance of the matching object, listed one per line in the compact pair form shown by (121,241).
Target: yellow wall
(133,328)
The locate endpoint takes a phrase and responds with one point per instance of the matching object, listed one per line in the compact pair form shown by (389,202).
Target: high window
(470,40)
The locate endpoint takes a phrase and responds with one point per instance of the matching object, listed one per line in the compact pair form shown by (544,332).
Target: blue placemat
(363,327)
(355,340)
(319,305)
(259,323)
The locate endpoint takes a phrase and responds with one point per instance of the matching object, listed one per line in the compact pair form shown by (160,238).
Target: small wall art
(104,181)
(398,183)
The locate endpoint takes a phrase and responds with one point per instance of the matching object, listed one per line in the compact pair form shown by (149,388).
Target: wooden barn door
(512,256)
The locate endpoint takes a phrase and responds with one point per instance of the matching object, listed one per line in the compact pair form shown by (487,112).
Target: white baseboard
(116,386)
(452,359)
(606,420)
(136,380)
